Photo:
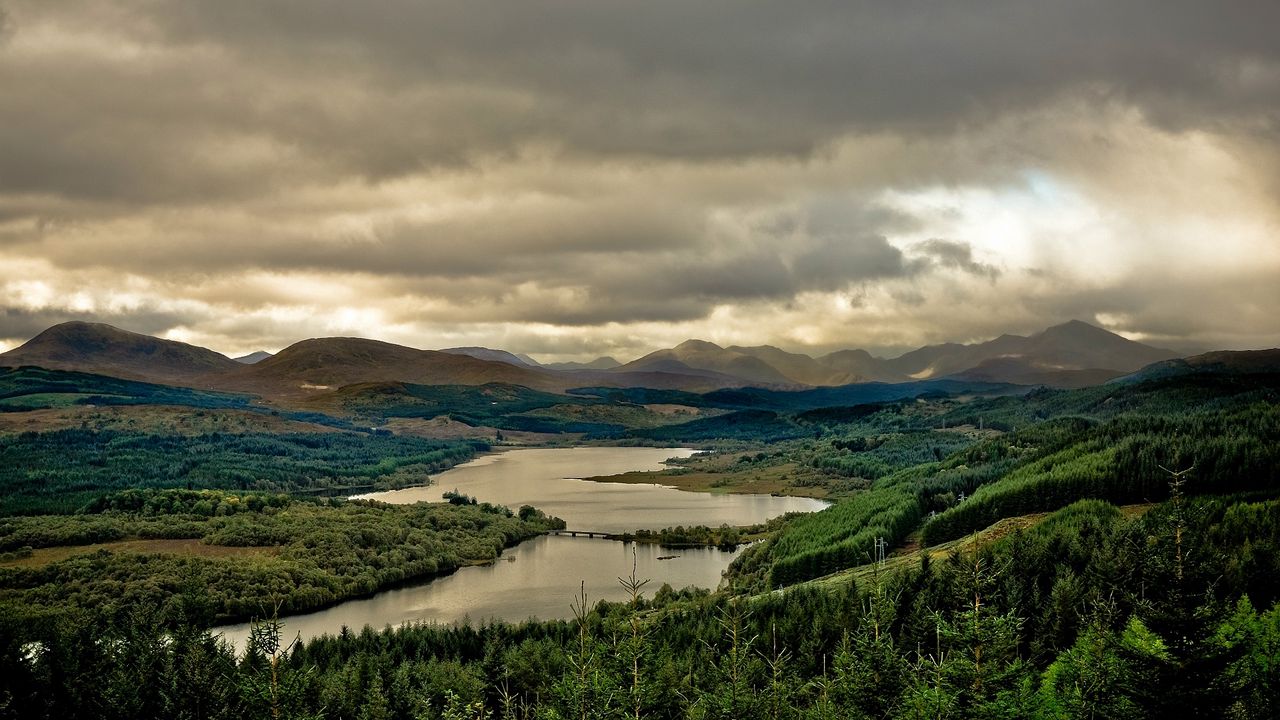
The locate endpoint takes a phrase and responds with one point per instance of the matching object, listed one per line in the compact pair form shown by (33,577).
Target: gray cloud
(601,166)
(19,324)
(390,88)
(957,255)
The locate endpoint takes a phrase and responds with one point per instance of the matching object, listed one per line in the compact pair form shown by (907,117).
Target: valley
(409,509)
(536,579)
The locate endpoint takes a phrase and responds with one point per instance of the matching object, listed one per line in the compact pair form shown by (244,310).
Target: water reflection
(545,478)
(536,579)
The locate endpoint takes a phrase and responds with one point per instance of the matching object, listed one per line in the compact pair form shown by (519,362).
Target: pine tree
(870,672)
(269,688)
(632,649)
(730,695)
(586,691)
(1090,681)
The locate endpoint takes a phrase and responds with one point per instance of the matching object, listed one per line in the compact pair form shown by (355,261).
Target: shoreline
(495,451)
(713,483)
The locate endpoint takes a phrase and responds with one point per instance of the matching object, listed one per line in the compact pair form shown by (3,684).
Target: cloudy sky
(570,178)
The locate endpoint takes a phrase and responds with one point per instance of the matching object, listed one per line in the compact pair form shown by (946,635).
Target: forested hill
(28,388)
(1112,443)
(62,471)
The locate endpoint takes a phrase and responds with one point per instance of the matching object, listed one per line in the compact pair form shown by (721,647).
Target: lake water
(545,478)
(540,577)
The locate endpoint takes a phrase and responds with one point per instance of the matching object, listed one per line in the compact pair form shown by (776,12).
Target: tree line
(1092,613)
(61,471)
(298,554)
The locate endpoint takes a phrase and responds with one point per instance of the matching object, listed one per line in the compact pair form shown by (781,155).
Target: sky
(575,178)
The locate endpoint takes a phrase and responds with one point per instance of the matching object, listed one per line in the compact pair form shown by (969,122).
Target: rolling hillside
(322,364)
(98,348)
(330,363)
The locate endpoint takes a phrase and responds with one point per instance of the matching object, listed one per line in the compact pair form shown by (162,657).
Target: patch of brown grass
(446,428)
(164,419)
(773,480)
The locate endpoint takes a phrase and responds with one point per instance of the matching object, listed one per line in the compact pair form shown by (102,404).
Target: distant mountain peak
(83,325)
(1077,328)
(253,357)
(484,353)
(601,363)
(694,344)
(81,334)
(702,357)
(1078,331)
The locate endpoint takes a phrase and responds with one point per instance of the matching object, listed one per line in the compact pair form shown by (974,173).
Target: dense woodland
(1089,614)
(26,388)
(1114,444)
(61,471)
(1167,608)
(296,555)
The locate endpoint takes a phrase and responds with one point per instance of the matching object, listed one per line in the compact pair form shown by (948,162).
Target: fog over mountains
(1069,355)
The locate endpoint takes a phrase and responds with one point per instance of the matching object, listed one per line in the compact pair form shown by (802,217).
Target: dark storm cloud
(957,255)
(22,324)
(671,66)
(387,88)
(778,269)
(679,284)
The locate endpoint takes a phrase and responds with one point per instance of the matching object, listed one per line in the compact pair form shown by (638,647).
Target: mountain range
(1073,354)
(600,363)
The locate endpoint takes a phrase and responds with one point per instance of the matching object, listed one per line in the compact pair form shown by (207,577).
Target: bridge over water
(585,533)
